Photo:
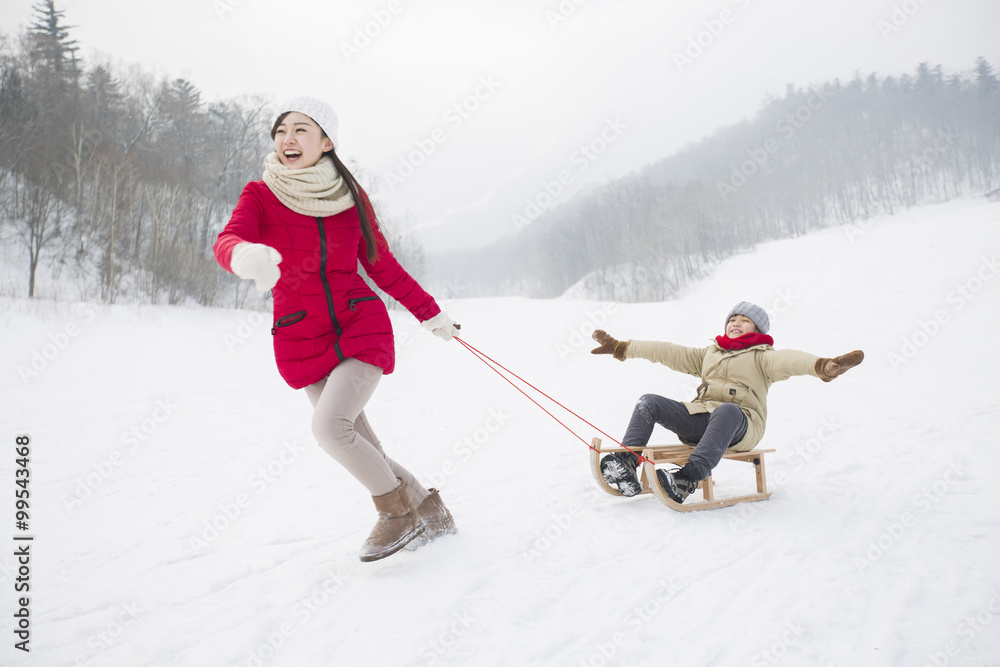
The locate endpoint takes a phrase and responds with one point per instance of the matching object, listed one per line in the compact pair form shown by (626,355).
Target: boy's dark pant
(713,432)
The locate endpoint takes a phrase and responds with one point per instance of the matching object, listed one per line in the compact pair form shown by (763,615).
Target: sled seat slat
(679,455)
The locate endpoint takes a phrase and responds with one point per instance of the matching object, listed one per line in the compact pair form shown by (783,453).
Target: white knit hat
(321,112)
(756,314)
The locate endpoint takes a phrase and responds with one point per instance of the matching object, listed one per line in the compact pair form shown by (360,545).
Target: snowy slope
(183,514)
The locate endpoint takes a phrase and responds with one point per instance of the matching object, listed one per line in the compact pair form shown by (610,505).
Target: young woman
(301,232)
(730,409)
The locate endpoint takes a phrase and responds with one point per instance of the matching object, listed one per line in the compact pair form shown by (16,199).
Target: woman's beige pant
(343,431)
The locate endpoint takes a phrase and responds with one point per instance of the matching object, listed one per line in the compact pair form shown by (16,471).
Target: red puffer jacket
(323,310)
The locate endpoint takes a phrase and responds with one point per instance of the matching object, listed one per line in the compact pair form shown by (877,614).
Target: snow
(183,514)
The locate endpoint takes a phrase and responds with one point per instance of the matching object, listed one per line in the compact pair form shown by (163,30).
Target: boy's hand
(827,369)
(609,345)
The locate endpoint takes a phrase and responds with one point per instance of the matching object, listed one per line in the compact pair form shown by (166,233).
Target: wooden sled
(678,454)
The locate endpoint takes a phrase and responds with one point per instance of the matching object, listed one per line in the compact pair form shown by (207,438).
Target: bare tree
(35,215)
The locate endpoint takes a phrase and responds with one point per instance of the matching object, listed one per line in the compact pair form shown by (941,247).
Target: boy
(730,410)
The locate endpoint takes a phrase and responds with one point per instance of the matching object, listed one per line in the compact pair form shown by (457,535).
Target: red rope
(493,364)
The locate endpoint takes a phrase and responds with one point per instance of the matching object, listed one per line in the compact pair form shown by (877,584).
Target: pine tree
(42,123)
(14,111)
(986,80)
(51,45)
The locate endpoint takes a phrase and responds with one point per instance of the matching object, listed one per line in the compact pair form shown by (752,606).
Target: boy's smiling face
(739,325)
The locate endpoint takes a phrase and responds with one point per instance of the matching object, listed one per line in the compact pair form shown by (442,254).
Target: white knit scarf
(318,191)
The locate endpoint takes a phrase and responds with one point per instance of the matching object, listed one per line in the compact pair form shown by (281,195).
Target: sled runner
(678,455)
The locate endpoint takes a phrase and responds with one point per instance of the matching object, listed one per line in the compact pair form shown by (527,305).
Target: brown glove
(827,369)
(609,345)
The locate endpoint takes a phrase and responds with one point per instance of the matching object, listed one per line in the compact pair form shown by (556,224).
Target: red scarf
(744,341)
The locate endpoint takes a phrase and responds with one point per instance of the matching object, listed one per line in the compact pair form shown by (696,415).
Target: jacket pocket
(287,320)
(735,393)
(353,303)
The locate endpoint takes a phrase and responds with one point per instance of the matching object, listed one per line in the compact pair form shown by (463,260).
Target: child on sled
(730,409)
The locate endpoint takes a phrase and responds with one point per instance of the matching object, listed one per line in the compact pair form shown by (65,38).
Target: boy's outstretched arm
(677,357)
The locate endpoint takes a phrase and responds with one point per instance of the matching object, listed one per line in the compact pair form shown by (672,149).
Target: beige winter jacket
(738,376)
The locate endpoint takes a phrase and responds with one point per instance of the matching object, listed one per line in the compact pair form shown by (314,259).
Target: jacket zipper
(352,303)
(288,320)
(326,288)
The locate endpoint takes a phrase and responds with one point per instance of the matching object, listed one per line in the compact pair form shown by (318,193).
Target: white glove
(258,262)
(442,326)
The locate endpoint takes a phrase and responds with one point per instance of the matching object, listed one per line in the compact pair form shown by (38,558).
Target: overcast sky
(470,111)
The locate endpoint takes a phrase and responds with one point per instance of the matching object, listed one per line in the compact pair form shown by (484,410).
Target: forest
(832,154)
(117,182)
(114,183)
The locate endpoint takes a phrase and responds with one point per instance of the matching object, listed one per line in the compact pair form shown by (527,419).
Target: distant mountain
(825,155)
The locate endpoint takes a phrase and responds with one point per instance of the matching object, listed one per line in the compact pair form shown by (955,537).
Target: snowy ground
(183,515)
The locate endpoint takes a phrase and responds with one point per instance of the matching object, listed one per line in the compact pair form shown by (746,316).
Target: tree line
(830,154)
(117,182)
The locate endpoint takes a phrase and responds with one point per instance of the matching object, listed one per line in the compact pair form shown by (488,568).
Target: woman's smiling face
(299,141)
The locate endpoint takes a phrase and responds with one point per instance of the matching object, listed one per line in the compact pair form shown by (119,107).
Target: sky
(470,119)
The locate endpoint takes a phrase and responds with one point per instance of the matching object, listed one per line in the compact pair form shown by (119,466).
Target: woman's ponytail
(360,204)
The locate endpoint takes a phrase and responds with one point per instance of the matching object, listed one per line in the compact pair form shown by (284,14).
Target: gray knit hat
(319,111)
(756,314)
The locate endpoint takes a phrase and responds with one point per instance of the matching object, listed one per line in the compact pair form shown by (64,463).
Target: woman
(730,409)
(301,232)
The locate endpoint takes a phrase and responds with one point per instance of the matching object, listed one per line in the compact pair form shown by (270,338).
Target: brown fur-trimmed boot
(827,369)
(437,519)
(398,524)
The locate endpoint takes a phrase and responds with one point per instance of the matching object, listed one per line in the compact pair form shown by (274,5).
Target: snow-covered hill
(183,515)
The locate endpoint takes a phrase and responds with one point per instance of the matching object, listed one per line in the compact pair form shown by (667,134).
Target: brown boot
(398,523)
(827,369)
(437,519)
